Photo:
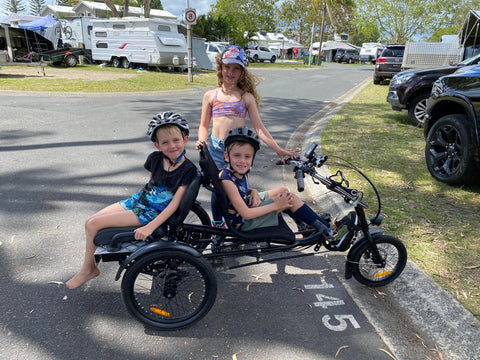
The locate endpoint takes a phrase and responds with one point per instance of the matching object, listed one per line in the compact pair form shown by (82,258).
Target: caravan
(139,41)
(370,52)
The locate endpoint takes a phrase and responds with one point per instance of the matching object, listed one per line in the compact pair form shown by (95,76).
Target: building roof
(58,9)
(132,10)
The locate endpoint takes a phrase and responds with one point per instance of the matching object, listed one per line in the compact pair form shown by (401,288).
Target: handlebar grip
(299,176)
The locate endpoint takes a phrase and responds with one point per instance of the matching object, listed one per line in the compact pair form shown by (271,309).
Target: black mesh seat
(278,234)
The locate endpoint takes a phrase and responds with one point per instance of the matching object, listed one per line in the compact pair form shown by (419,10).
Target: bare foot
(81,278)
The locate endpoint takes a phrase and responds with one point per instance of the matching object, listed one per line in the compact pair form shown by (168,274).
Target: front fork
(366,241)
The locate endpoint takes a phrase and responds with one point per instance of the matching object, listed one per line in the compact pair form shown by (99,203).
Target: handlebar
(309,166)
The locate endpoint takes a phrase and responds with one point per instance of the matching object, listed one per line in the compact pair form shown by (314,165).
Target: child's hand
(282,154)
(284,201)
(143,232)
(254,198)
(199,143)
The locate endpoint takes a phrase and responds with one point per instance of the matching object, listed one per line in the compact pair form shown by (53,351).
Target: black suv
(451,128)
(346,55)
(388,63)
(410,89)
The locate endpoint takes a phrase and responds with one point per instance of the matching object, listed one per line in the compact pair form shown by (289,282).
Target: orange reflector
(159,311)
(382,274)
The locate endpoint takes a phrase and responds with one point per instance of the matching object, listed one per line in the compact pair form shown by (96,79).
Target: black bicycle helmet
(243,134)
(166,118)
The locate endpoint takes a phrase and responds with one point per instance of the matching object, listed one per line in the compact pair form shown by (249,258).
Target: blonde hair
(247,82)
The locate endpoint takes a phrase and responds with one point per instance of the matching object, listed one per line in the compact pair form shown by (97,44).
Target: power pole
(322,27)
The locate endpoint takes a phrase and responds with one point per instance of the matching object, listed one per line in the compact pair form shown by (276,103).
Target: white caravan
(138,41)
(370,52)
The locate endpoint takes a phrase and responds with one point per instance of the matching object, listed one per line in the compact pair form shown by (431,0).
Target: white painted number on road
(342,322)
(322,285)
(325,301)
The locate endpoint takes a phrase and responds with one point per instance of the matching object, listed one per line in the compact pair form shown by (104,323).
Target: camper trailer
(75,32)
(370,52)
(138,41)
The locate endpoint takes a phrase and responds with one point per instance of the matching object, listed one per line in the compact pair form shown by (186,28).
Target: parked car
(260,53)
(410,89)
(451,128)
(388,63)
(213,49)
(347,56)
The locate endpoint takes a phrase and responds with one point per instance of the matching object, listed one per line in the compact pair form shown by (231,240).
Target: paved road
(63,158)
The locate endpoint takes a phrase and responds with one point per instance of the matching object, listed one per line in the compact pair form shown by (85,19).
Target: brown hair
(247,82)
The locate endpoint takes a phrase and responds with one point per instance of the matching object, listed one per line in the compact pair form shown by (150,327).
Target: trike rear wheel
(394,257)
(169,289)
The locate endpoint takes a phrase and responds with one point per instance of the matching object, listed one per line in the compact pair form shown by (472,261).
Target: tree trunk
(147,4)
(126,4)
(112,7)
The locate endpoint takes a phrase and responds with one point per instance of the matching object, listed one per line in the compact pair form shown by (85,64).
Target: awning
(39,24)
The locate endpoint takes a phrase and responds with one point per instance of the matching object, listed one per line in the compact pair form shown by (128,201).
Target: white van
(370,52)
(213,49)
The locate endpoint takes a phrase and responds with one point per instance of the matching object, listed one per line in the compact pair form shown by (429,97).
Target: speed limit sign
(191,16)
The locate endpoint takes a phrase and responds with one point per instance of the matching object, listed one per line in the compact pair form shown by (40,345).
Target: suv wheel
(418,108)
(449,150)
(376,80)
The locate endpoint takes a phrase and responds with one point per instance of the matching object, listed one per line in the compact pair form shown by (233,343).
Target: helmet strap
(173,163)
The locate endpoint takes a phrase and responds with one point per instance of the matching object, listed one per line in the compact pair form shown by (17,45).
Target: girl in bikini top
(229,108)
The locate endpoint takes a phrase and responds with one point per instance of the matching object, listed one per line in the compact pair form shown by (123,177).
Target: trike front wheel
(394,259)
(169,289)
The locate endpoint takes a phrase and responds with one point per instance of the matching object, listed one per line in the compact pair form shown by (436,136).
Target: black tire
(377,81)
(418,109)
(449,152)
(125,63)
(350,61)
(71,60)
(115,62)
(273,59)
(394,255)
(255,58)
(198,215)
(169,289)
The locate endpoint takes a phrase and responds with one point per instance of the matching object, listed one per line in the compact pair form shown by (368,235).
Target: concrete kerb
(414,307)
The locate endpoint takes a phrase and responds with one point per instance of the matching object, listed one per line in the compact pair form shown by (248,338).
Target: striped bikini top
(229,108)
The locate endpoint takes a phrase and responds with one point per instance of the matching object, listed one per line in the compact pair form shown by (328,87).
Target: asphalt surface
(413,309)
(60,165)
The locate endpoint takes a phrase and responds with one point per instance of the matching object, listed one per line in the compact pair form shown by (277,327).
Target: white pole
(189,49)
(311,47)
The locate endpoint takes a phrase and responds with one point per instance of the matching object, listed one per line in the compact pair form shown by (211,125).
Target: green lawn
(438,223)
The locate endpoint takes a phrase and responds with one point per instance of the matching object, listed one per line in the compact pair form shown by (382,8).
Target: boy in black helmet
(248,209)
(170,174)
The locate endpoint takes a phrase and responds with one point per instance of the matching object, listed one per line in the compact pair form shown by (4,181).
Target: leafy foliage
(13,6)
(400,20)
(36,6)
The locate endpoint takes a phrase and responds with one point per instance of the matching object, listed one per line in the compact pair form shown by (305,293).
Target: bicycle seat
(279,234)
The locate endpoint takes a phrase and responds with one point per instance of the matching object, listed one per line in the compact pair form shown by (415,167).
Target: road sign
(191,16)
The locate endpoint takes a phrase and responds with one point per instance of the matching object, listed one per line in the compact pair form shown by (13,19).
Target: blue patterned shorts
(143,213)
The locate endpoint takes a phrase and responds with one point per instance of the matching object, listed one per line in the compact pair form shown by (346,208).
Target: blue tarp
(39,24)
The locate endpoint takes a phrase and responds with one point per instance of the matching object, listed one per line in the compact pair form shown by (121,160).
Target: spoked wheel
(394,259)
(170,289)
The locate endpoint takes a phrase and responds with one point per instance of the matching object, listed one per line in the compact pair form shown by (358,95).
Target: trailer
(68,56)
(142,42)
(424,55)
(370,52)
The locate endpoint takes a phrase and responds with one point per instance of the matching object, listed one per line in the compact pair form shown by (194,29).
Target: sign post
(191,19)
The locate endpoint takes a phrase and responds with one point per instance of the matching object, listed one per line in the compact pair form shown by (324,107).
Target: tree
(36,6)
(13,6)
(246,17)
(293,19)
(214,29)
(400,20)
